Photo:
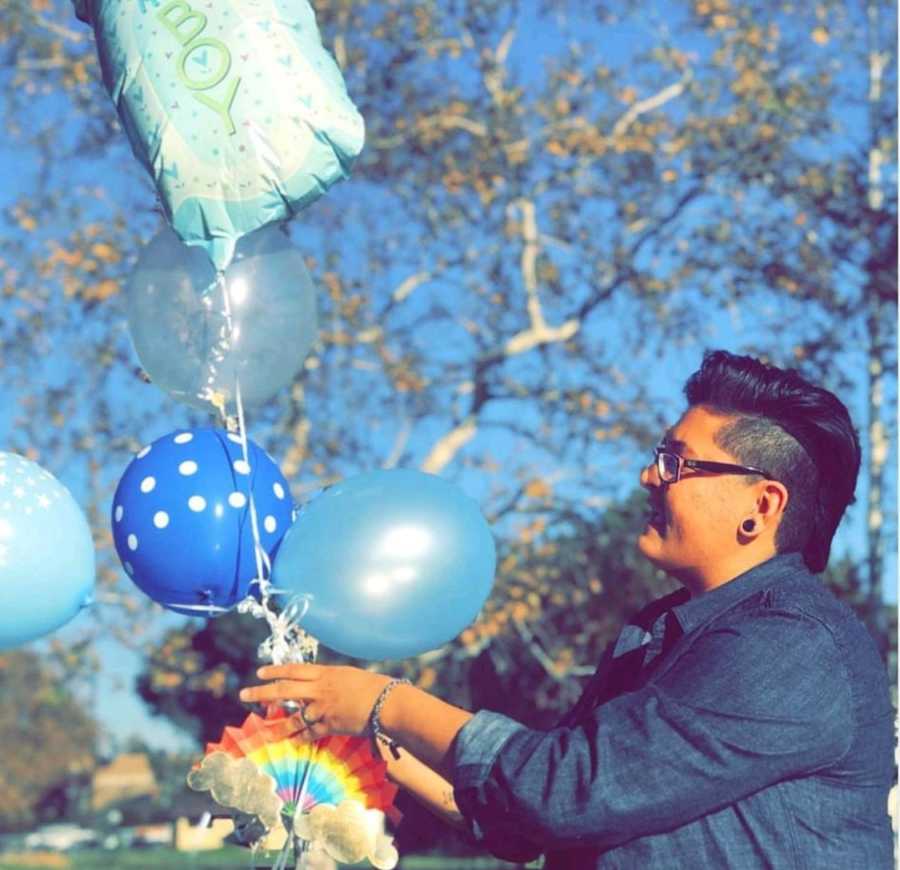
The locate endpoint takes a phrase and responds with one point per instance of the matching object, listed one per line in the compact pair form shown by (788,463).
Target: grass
(219,859)
(134,859)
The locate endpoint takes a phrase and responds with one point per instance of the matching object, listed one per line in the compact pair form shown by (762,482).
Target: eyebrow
(669,441)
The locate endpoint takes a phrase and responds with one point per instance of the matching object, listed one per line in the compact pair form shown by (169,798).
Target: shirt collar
(705,607)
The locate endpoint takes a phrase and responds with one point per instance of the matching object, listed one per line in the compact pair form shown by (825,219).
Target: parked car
(151,835)
(61,838)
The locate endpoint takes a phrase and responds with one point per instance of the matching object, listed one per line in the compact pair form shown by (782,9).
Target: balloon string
(262,557)
(281,863)
(259,553)
(301,848)
(287,642)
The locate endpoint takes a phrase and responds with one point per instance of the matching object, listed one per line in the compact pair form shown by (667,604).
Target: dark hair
(801,434)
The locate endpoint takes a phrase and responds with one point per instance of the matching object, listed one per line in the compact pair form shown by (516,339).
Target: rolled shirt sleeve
(475,749)
(748,703)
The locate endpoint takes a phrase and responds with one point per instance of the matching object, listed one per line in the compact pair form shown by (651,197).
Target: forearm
(423,725)
(427,728)
(425,785)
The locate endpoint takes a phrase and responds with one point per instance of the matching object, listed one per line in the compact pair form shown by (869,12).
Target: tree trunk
(878,311)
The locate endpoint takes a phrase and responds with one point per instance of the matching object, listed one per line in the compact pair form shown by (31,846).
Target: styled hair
(799,433)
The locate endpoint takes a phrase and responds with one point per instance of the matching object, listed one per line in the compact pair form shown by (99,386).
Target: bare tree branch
(446,447)
(67,34)
(409,284)
(649,104)
(538,333)
(549,666)
(400,442)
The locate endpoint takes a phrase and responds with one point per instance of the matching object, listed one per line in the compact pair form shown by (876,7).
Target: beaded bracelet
(375,728)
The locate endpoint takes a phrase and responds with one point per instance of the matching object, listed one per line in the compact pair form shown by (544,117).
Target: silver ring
(308,723)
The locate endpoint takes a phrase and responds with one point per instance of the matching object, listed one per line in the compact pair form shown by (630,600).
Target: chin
(649,543)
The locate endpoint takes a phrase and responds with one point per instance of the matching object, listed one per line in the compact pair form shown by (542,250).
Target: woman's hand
(339,700)
(332,699)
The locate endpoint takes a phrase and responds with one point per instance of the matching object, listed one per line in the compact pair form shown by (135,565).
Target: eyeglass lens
(667,466)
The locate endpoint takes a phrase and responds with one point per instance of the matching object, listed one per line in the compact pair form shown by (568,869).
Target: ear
(771,502)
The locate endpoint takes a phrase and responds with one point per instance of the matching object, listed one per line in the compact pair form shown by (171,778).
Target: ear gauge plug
(748,525)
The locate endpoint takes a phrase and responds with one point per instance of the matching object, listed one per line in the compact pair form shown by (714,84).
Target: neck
(708,577)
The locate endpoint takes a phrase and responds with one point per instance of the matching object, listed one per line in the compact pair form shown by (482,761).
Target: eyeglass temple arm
(722,466)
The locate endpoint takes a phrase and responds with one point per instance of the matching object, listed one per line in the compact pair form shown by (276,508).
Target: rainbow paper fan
(332,770)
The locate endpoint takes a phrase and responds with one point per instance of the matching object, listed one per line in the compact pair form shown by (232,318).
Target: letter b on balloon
(190,40)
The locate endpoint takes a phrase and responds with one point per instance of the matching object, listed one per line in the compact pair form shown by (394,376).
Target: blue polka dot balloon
(181,518)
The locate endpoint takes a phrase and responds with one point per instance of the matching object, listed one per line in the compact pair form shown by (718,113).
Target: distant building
(191,836)
(127,776)
(198,823)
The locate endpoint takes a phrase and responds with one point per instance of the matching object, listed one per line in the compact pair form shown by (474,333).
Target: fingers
(280,690)
(290,672)
(291,683)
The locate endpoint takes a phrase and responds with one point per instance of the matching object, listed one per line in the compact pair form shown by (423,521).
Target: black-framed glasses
(669,466)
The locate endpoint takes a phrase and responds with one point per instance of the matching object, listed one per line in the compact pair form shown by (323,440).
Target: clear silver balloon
(199,334)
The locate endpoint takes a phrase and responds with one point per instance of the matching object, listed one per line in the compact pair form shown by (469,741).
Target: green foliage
(846,579)
(194,675)
(564,595)
(48,737)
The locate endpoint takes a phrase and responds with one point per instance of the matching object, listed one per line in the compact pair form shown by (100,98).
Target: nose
(649,476)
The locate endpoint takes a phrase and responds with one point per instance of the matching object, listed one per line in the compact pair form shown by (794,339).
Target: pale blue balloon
(193,341)
(392,564)
(46,553)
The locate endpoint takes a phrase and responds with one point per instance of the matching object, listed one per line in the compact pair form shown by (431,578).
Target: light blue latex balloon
(46,553)
(392,563)
(234,107)
(180,326)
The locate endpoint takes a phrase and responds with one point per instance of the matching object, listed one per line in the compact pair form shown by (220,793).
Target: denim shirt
(748,727)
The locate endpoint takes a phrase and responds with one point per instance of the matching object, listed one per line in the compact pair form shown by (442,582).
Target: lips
(656,517)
